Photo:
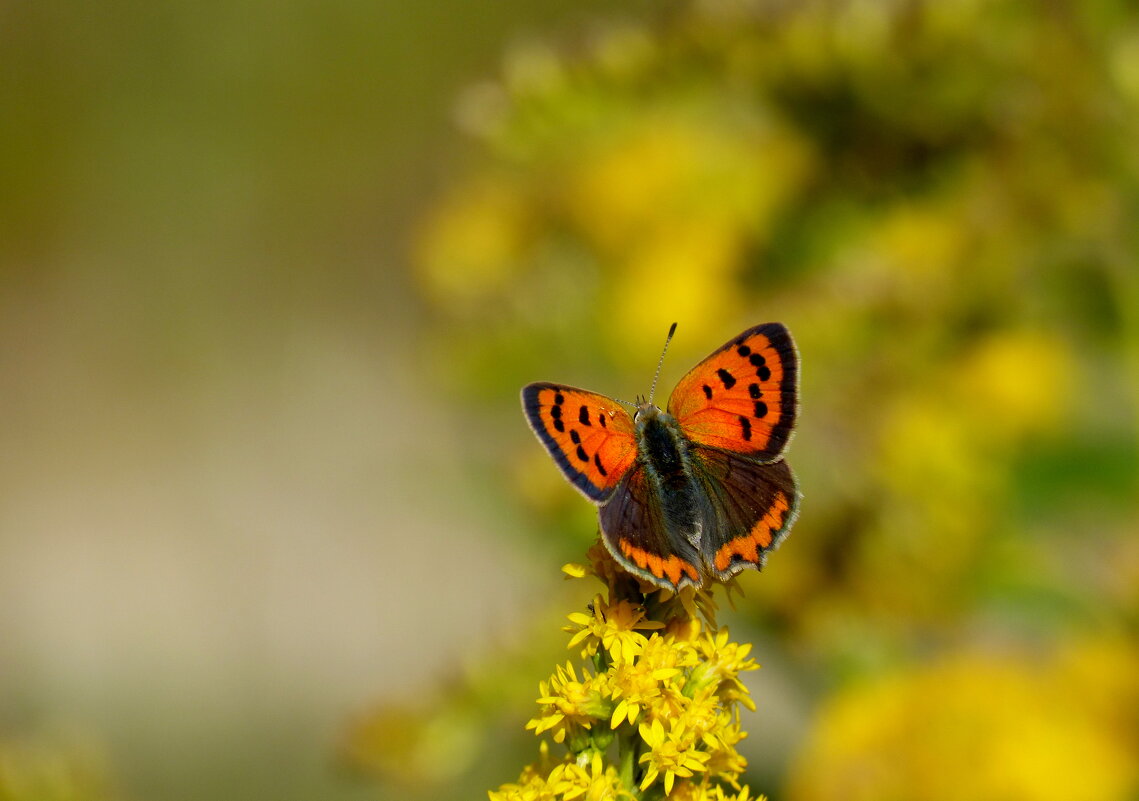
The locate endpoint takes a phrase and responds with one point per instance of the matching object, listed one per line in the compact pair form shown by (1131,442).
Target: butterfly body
(696,492)
(663,455)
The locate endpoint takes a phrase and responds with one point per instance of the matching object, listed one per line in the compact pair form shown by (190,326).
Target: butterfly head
(645,410)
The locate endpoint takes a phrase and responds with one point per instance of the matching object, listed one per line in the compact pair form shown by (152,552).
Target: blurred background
(271,276)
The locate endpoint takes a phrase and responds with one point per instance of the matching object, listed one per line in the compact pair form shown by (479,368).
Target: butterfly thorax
(659,440)
(662,450)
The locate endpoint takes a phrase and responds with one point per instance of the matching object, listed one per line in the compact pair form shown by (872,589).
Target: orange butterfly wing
(744,396)
(589,435)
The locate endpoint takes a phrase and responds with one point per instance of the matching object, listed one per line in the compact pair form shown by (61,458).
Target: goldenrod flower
(569,705)
(722,663)
(704,715)
(530,787)
(614,627)
(636,689)
(665,689)
(673,752)
(592,781)
(532,784)
(725,759)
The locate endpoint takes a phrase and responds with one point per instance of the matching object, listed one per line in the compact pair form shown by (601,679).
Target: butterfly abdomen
(663,451)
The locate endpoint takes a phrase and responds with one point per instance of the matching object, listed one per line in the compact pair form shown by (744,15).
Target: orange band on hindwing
(751,545)
(670,567)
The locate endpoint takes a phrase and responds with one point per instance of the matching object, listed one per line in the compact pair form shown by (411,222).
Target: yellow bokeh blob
(474,245)
(974,726)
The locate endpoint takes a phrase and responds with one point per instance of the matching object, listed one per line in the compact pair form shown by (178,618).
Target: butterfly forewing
(754,505)
(743,397)
(589,435)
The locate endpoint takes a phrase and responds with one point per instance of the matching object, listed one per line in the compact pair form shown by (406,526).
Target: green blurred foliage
(940,200)
(55,767)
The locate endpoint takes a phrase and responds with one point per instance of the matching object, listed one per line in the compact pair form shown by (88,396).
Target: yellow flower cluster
(653,714)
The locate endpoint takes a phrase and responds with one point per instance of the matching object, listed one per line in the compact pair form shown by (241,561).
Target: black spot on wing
(597,464)
(726,378)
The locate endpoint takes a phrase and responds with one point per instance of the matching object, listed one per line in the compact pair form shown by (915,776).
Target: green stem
(627,742)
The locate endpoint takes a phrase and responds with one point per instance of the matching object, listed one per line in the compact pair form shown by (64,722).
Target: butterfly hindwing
(634,531)
(589,435)
(744,396)
(753,505)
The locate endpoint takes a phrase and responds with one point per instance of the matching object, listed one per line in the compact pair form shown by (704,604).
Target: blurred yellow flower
(1015,383)
(474,244)
(670,203)
(922,244)
(670,165)
(1103,674)
(681,273)
(974,726)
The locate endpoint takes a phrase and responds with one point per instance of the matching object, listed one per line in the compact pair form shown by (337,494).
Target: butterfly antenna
(671,331)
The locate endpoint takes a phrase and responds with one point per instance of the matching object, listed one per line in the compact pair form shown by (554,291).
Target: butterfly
(698,492)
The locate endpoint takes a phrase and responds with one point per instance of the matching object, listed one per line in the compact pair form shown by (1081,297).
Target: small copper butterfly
(695,493)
